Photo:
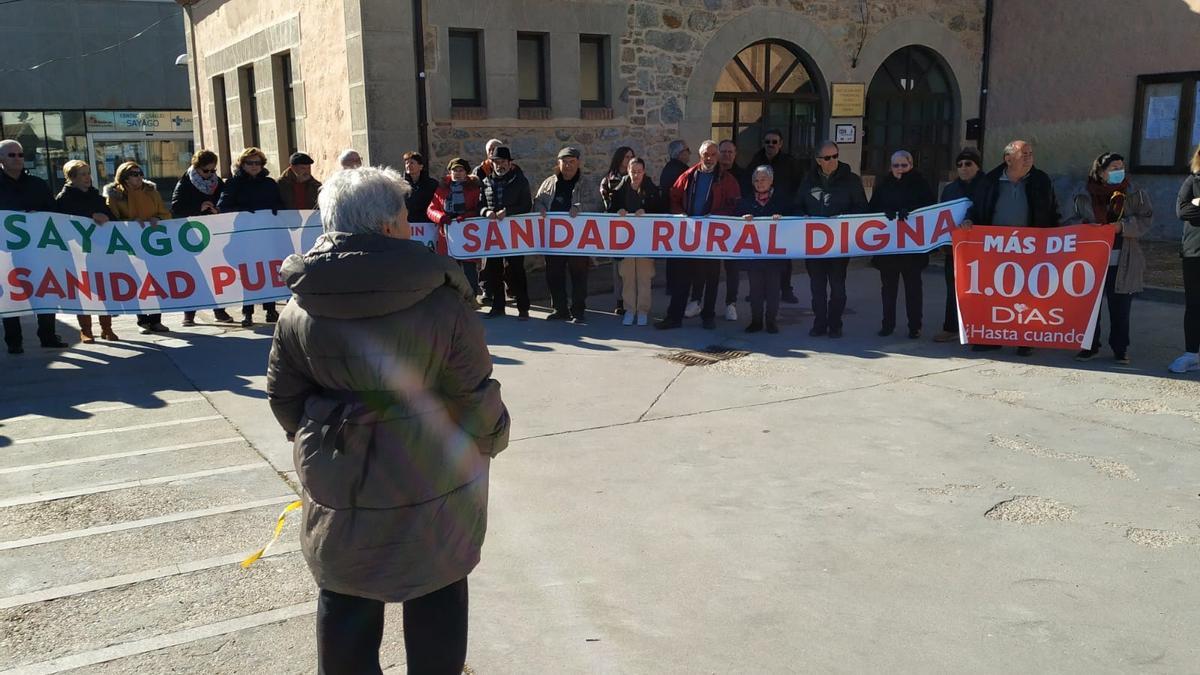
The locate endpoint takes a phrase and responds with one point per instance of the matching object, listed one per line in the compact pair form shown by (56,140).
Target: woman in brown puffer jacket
(380,373)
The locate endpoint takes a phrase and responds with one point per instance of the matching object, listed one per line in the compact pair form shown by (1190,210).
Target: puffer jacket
(150,205)
(380,373)
(244,192)
(1135,223)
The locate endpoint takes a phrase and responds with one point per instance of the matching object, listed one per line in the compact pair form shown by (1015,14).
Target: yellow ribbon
(278,530)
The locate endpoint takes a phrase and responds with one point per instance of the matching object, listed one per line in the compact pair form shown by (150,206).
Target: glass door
(164,157)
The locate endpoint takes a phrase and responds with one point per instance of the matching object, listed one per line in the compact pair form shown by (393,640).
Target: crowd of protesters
(774,184)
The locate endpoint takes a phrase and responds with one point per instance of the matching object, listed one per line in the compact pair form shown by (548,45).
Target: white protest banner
(50,262)
(706,237)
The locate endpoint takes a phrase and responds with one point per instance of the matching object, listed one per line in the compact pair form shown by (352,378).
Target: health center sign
(1030,287)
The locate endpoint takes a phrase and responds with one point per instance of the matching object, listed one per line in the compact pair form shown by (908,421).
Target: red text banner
(708,237)
(1030,287)
(50,262)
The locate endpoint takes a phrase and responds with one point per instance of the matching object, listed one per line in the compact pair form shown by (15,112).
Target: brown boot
(106,330)
(85,329)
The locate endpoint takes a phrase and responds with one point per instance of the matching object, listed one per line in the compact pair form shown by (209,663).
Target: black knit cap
(971,154)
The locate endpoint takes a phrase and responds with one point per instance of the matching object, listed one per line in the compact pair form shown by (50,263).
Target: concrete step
(33,426)
(60,447)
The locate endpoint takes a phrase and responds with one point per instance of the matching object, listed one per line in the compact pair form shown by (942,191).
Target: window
(287,98)
(465,82)
(531,69)
(1166,122)
(221,113)
(593,71)
(249,95)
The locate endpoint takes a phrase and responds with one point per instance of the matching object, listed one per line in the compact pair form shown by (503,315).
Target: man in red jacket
(702,190)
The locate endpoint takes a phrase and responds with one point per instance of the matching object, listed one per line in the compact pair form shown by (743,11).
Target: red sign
(1030,287)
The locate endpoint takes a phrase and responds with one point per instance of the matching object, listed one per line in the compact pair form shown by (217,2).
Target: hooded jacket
(287,193)
(123,208)
(380,373)
(244,192)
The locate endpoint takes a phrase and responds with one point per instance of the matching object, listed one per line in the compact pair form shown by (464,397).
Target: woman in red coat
(456,198)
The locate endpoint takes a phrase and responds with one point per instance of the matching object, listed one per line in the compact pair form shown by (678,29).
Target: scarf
(458,199)
(1108,201)
(206,186)
(763,198)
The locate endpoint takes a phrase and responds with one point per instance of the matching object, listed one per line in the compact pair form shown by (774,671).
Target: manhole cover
(705,357)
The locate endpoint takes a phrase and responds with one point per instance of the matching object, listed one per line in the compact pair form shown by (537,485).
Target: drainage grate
(705,357)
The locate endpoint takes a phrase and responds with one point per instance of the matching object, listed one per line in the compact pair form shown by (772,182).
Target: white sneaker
(643,318)
(628,320)
(693,309)
(731,312)
(1185,363)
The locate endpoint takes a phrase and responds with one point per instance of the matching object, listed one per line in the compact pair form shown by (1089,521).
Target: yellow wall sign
(849,100)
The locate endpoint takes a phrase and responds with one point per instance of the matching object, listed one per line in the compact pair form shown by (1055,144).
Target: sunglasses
(965,163)
(901,166)
(14,155)
(772,142)
(134,174)
(827,158)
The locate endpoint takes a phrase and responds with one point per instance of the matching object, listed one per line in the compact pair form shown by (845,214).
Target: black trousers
(764,291)
(827,280)
(248,310)
(497,272)
(785,276)
(950,323)
(12,329)
(148,319)
(707,272)
(914,299)
(733,277)
(350,631)
(1119,307)
(558,268)
(1191,312)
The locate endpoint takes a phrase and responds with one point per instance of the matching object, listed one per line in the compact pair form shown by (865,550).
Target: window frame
(476,37)
(249,89)
(543,69)
(602,76)
(221,121)
(1188,82)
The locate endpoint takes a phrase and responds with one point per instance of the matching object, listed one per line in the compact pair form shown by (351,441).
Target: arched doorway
(769,85)
(911,105)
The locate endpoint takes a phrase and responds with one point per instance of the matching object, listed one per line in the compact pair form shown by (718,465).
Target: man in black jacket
(832,190)
(505,193)
(1015,194)
(22,191)
(423,187)
(969,184)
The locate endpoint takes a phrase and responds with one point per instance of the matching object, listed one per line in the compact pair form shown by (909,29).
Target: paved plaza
(817,506)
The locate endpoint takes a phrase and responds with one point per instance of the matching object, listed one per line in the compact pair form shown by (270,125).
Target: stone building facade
(351,75)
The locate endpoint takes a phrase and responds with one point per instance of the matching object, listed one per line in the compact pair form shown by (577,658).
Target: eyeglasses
(965,163)
(771,142)
(252,162)
(134,174)
(14,155)
(901,166)
(827,158)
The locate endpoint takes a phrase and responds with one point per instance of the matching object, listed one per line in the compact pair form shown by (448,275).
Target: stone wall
(657,55)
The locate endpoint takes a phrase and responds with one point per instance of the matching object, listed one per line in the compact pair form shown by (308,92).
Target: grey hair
(9,143)
(904,154)
(707,143)
(346,155)
(675,148)
(765,170)
(493,143)
(827,144)
(358,201)
(1011,148)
